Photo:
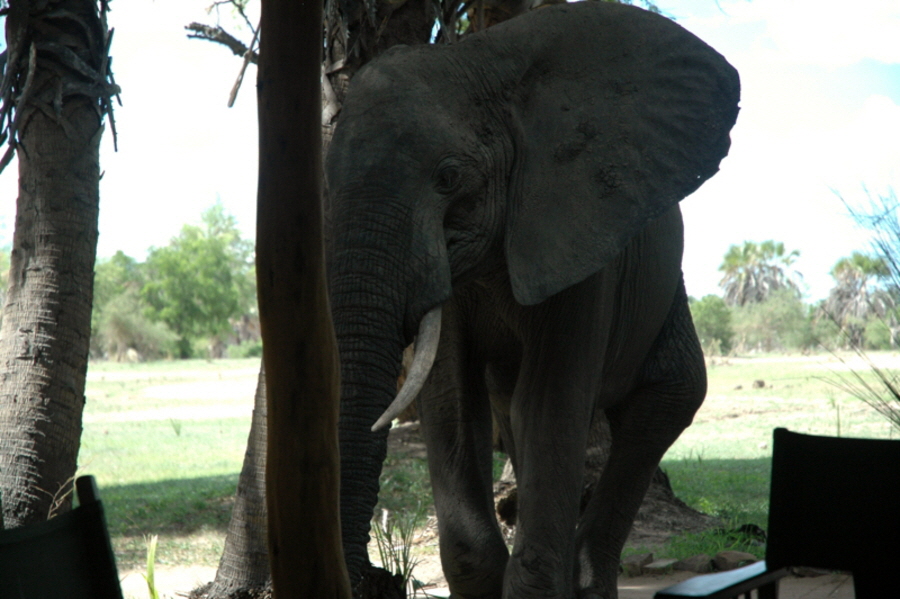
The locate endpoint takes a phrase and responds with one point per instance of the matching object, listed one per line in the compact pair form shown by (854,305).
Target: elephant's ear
(614,127)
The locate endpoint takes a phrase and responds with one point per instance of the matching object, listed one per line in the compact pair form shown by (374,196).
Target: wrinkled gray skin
(527,179)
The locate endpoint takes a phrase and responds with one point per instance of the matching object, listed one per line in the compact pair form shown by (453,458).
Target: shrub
(123,326)
(247,349)
(712,319)
(779,323)
(878,334)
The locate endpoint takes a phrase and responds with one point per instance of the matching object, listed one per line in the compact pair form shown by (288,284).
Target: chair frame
(67,557)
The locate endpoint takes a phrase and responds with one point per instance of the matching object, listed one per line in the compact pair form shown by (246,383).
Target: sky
(820,117)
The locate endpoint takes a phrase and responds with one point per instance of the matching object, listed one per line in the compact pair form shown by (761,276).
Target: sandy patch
(211,398)
(137,375)
(182,413)
(171,581)
(233,390)
(824,361)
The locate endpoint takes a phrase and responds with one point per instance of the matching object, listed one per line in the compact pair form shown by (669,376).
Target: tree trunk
(244,566)
(299,347)
(240,570)
(45,336)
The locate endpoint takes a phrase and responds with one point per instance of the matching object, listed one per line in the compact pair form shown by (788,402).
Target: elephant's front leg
(671,388)
(455,415)
(550,415)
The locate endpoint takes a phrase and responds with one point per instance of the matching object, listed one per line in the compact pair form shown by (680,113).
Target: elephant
(510,202)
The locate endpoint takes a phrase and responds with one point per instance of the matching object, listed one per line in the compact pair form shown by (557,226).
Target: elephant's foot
(489,596)
(534,573)
(475,574)
(597,569)
(472,590)
(594,593)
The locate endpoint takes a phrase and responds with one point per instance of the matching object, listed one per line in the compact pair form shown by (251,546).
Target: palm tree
(754,271)
(858,295)
(56,90)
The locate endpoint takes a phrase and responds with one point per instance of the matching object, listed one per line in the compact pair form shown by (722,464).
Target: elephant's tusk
(423,358)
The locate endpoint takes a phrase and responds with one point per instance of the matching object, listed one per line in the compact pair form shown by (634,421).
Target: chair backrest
(67,557)
(835,503)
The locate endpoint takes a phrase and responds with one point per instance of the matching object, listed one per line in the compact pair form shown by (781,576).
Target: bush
(823,331)
(123,326)
(712,319)
(247,349)
(779,323)
(878,334)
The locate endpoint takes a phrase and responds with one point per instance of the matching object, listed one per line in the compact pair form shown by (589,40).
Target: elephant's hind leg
(456,421)
(643,426)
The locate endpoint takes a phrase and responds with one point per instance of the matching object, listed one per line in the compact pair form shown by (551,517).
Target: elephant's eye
(447,179)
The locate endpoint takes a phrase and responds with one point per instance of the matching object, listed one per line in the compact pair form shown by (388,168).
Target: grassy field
(166,441)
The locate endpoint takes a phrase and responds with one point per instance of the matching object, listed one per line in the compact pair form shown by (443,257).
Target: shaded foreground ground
(660,521)
(178,581)
(737,414)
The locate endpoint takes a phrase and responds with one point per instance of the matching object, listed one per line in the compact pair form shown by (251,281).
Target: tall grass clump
(880,391)
(746,538)
(881,388)
(394,538)
(150,576)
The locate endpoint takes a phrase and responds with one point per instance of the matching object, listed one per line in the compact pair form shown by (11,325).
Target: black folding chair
(67,557)
(834,504)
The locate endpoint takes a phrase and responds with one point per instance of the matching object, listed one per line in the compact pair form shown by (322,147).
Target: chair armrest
(724,585)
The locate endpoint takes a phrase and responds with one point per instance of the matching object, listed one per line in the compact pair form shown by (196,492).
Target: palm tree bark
(45,336)
(244,566)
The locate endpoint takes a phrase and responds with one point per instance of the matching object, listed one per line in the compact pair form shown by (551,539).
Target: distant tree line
(195,297)
(761,307)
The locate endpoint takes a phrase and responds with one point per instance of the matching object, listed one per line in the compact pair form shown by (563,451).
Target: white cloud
(830,34)
(867,147)
(779,179)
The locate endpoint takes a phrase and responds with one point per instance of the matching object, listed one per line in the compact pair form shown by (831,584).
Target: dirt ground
(660,517)
(175,582)
(657,521)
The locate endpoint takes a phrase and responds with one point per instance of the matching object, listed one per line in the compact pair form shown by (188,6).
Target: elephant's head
(537,148)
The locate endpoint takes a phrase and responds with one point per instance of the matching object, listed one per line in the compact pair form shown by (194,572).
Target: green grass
(405,486)
(721,464)
(165,462)
(735,491)
(166,441)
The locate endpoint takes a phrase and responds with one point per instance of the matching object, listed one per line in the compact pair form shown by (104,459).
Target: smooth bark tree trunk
(241,567)
(45,336)
(299,347)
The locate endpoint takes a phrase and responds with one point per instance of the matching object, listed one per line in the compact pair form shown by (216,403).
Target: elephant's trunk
(370,363)
(368,321)
(378,295)
(423,359)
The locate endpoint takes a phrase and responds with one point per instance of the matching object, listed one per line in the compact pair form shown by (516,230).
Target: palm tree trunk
(45,336)
(244,566)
